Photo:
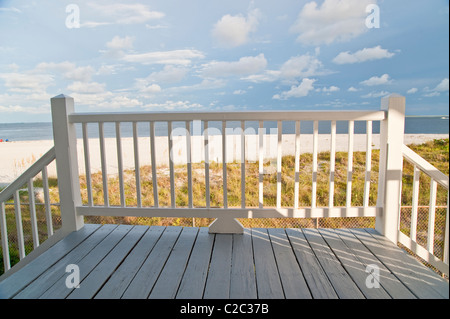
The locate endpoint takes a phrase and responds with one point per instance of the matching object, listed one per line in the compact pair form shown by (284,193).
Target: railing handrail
(32,171)
(425,166)
(229,116)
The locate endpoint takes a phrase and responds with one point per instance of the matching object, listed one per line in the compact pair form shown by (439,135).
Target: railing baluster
(351,126)
(137,168)
(48,210)
(261,164)
(189,162)
(153,158)
(87,164)
(224,164)
(297,164)
(32,205)
(243,164)
(103,164)
(172,175)
(368,163)
(120,164)
(314,165)
(431,216)
(279,159)
(18,216)
(332,163)
(4,232)
(415,203)
(206,141)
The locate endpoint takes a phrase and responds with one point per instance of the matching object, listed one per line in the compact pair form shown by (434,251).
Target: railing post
(391,166)
(64,136)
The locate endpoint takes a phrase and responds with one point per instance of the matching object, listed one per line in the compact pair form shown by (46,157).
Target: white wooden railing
(436,178)
(386,211)
(226,216)
(12,192)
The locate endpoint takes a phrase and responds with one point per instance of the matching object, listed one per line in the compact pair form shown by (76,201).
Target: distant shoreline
(18,156)
(37,131)
(446,115)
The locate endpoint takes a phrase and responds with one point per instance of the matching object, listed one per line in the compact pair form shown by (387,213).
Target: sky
(211,55)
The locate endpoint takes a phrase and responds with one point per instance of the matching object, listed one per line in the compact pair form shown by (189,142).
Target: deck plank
(100,274)
(243,278)
(294,284)
(143,282)
(318,282)
(267,276)
(339,278)
(167,284)
(422,281)
(59,290)
(119,281)
(354,267)
(11,285)
(193,283)
(395,288)
(219,275)
(58,270)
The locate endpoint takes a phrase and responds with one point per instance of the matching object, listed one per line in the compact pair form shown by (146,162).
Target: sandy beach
(16,157)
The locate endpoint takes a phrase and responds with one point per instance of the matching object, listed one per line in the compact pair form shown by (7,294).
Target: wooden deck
(122,261)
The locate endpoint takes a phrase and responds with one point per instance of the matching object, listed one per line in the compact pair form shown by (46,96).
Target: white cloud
(232,31)
(377,80)
(443,86)
(432,94)
(239,92)
(121,13)
(296,67)
(157,26)
(205,84)
(21,109)
(117,46)
(174,105)
(300,90)
(375,94)
(178,57)
(412,90)
(333,20)
(352,89)
(245,66)
(119,102)
(118,43)
(169,74)
(266,76)
(86,87)
(331,89)
(69,70)
(301,66)
(366,54)
(152,88)
(26,82)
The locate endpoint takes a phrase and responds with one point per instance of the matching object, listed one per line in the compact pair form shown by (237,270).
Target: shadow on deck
(122,261)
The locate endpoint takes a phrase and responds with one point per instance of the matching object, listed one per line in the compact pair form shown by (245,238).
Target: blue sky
(201,55)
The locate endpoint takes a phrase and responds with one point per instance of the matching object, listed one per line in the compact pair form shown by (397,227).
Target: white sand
(16,157)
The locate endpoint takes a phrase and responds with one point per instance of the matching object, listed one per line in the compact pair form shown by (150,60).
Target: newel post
(64,136)
(391,166)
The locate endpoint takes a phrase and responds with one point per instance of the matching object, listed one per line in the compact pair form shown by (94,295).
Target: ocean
(43,130)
